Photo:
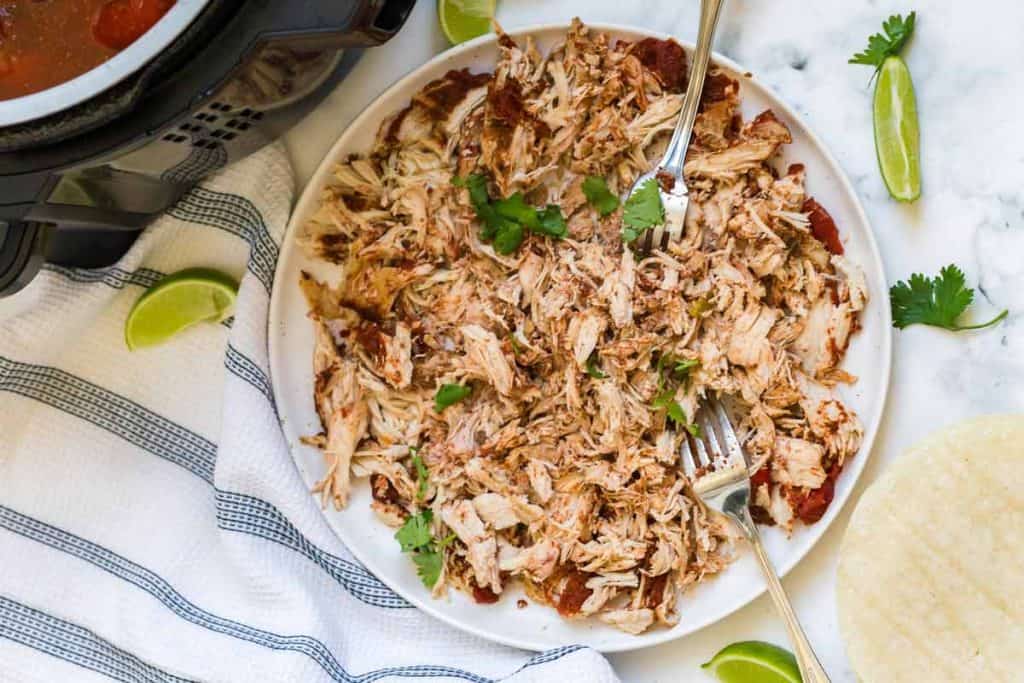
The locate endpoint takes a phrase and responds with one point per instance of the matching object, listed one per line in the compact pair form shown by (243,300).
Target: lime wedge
(465,19)
(178,301)
(754,662)
(897,138)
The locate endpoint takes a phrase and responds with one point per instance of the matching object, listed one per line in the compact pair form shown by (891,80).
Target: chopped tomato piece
(814,505)
(667,59)
(762,476)
(822,226)
(574,593)
(483,595)
(119,23)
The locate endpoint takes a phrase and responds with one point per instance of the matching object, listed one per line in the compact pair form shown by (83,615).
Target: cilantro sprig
(677,367)
(937,301)
(415,533)
(896,33)
(593,369)
(672,371)
(450,394)
(595,189)
(422,476)
(427,552)
(505,221)
(673,411)
(643,210)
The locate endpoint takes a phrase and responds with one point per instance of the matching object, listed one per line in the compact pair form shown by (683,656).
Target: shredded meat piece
(559,469)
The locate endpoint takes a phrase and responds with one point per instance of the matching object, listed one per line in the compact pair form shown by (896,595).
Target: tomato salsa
(44,43)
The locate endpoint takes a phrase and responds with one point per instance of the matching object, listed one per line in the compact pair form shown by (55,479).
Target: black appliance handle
(363,23)
(22,252)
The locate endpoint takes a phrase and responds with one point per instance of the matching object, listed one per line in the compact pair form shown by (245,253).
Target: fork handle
(810,668)
(675,154)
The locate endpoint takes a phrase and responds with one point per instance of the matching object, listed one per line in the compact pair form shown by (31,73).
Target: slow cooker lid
(117,68)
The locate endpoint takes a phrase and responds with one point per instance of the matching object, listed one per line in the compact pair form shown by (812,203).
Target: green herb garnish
(643,210)
(508,238)
(415,533)
(592,368)
(422,481)
(450,394)
(428,566)
(673,411)
(684,365)
(515,208)
(678,368)
(664,398)
(477,186)
(551,222)
(595,189)
(897,32)
(504,221)
(428,553)
(934,301)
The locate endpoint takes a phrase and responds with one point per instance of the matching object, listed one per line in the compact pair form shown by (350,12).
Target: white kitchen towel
(152,524)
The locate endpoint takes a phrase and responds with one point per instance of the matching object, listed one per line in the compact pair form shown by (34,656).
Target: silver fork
(723,484)
(669,173)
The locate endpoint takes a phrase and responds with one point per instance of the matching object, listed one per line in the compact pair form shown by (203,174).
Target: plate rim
(425,602)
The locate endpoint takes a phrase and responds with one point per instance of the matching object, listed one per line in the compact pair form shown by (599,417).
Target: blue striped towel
(152,524)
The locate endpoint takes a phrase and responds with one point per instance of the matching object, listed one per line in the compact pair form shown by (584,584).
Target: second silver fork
(675,196)
(717,468)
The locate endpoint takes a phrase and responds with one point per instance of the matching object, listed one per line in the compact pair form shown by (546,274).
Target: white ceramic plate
(537,627)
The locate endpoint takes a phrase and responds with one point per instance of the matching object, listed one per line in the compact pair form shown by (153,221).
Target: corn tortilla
(931,571)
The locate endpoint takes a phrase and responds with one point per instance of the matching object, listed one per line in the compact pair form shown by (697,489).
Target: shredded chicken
(559,469)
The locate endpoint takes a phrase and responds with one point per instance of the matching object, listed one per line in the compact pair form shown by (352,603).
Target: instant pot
(85,165)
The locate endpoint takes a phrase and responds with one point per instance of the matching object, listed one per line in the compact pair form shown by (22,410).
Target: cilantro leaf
(595,189)
(551,222)
(685,365)
(592,368)
(415,533)
(450,394)
(675,413)
(897,31)
(678,367)
(503,220)
(548,222)
(421,476)
(427,552)
(508,238)
(934,301)
(664,398)
(428,566)
(477,186)
(515,208)
(493,222)
(643,210)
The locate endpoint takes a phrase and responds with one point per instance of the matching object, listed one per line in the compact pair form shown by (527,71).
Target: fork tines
(716,449)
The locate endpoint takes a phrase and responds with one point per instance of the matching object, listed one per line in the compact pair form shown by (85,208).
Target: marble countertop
(965,59)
